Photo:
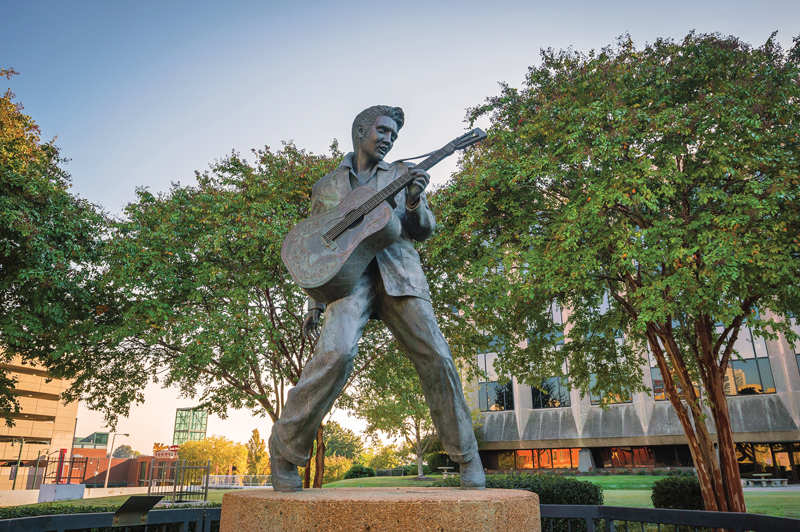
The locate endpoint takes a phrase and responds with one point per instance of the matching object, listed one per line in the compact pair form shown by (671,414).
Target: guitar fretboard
(387,192)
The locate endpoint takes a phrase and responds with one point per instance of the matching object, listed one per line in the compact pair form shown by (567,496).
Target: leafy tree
(257,455)
(381,456)
(49,248)
(652,193)
(388,396)
(341,441)
(226,456)
(125,451)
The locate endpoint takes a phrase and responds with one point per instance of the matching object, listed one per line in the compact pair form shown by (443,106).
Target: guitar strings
(381,196)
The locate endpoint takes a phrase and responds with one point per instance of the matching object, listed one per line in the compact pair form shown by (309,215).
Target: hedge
(678,493)
(359,471)
(35,510)
(552,489)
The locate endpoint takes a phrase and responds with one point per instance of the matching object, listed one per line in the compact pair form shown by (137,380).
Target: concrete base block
(381,510)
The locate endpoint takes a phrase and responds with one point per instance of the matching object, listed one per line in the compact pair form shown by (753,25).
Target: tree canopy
(227,457)
(50,248)
(341,441)
(653,195)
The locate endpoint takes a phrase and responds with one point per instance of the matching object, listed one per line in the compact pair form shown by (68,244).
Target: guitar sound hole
(358,221)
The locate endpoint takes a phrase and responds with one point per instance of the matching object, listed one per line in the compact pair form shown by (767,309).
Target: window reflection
(493,396)
(553,393)
(753,374)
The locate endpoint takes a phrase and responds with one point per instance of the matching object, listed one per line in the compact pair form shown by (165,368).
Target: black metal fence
(187,520)
(554,517)
(568,518)
(179,481)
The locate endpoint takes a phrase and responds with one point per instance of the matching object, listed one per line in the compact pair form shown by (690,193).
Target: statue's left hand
(421,180)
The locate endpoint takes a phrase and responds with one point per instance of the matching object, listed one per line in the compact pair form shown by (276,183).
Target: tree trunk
(320,464)
(729,470)
(718,488)
(418,448)
(307,479)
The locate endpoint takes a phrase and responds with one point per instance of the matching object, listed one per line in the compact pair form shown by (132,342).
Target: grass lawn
(213,496)
(618,490)
(382,482)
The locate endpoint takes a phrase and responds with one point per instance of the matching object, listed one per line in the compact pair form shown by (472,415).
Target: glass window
(576,453)
(525,460)
(545,460)
(753,374)
(659,391)
(621,457)
(553,393)
(644,457)
(561,458)
(493,396)
(505,459)
(596,398)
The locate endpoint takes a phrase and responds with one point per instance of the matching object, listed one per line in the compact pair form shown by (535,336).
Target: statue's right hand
(311,325)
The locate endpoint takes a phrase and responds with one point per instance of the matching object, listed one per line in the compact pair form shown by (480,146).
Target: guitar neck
(389,191)
(398,184)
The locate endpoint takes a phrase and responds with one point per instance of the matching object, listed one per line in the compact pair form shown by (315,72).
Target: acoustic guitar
(326,254)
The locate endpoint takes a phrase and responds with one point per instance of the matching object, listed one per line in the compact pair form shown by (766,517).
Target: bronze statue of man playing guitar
(390,287)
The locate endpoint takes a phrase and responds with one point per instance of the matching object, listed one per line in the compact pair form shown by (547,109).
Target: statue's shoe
(285,476)
(472,476)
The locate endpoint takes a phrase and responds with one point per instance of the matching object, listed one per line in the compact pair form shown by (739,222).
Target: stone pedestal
(381,510)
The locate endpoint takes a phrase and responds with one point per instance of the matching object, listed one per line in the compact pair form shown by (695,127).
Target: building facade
(43,427)
(552,427)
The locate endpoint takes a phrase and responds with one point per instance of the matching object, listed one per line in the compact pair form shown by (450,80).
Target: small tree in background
(225,455)
(341,441)
(125,451)
(388,396)
(257,455)
(652,192)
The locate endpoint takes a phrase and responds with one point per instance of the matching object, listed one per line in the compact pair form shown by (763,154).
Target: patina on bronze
(392,288)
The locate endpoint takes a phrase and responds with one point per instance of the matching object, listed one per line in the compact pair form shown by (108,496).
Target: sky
(142,94)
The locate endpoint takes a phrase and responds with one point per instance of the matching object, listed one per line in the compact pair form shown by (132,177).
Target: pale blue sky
(143,93)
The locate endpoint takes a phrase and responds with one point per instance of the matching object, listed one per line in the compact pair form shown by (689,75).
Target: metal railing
(186,520)
(179,481)
(573,518)
(239,481)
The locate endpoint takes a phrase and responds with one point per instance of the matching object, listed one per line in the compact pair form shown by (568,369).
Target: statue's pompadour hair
(368,116)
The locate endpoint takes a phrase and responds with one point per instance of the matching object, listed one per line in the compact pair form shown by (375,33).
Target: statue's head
(383,120)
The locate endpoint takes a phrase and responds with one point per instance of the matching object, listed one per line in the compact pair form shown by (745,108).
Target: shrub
(642,472)
(15,512)
(552,489)
(359,471)
(678,493)
(657,472)
(435,461)
(335,468)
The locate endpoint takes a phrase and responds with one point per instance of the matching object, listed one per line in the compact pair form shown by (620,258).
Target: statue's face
(379,138)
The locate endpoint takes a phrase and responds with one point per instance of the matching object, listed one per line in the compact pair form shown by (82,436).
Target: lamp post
(110,455)
(19,459)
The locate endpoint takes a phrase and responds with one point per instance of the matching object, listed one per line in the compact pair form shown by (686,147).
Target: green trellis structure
(190,425)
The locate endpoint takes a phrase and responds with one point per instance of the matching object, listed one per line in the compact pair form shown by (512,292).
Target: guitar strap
(417,157)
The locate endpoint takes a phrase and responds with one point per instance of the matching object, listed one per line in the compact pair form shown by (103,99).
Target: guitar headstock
(469,138)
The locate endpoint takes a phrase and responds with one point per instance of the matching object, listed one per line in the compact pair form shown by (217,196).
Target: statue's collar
(347,162)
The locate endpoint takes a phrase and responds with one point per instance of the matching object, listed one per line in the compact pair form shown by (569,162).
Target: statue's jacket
(398,264)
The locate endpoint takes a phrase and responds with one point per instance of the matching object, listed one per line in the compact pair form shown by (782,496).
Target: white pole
(110,455)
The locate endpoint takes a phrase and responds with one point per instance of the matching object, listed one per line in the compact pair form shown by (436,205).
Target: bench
(765,482)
